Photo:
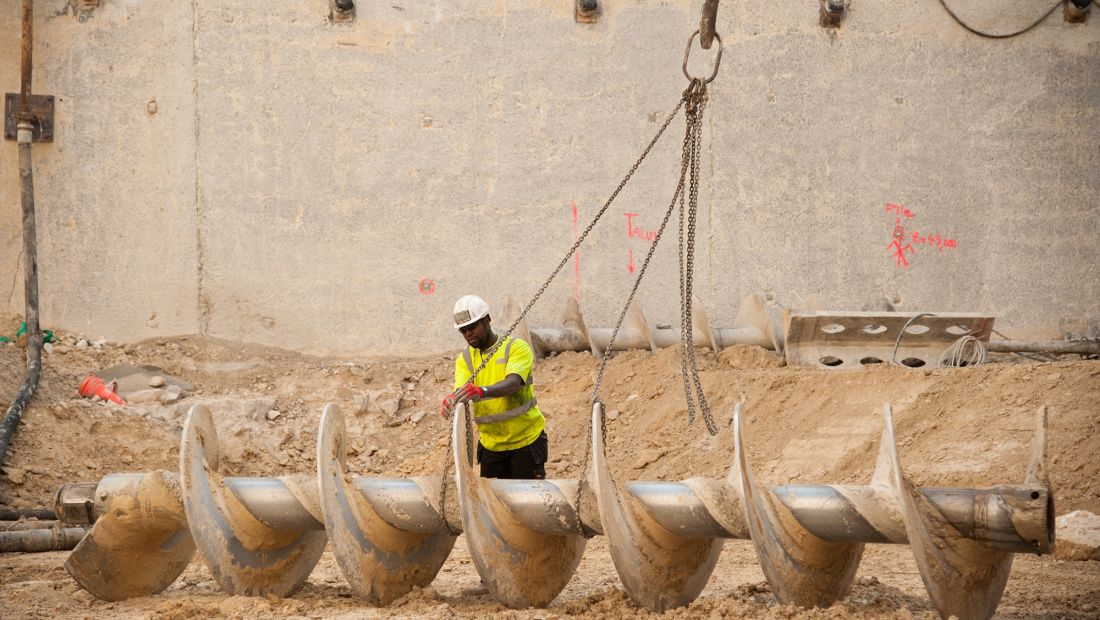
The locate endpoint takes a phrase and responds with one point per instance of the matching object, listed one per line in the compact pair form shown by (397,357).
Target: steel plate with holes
(856,339)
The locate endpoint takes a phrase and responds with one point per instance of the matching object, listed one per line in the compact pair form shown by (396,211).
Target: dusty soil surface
(958,427)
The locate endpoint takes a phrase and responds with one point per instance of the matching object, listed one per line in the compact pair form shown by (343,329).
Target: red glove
(449,405)
(469,392)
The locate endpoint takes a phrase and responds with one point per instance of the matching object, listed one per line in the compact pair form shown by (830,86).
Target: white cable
(966,351)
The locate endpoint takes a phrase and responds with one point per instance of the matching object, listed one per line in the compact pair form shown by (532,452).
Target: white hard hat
(469,309)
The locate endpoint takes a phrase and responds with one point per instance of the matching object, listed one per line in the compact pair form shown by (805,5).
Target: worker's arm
(506,387)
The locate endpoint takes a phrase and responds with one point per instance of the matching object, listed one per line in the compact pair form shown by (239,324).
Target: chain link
(542,289)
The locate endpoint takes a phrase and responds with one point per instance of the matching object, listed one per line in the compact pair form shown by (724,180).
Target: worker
(512,437)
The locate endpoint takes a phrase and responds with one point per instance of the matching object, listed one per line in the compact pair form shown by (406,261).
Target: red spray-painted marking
(576,259)
(903,240)
(636,231)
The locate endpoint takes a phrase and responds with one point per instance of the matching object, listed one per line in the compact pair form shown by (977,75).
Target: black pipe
(14,514)
(30,243)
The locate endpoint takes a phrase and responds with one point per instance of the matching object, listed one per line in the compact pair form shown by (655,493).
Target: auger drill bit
(140,543)
(751,326)
(964,579)
(263,535)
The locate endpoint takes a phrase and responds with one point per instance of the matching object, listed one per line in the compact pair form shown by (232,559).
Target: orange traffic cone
(93,386)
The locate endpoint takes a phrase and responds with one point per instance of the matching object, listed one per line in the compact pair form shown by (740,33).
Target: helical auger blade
(659,569)
(964,579)
(245,555)
(520,567)
(381,563)
(801,568)
(147,526)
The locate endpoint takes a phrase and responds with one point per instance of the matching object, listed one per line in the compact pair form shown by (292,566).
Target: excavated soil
(958,427)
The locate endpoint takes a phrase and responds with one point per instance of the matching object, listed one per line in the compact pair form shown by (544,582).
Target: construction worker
(512,442)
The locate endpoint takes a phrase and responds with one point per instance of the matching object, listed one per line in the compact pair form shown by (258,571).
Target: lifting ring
(717,58)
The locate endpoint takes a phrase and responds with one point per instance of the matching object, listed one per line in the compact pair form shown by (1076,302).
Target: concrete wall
(300,179)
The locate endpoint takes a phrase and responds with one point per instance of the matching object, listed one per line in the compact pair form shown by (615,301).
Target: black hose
(30,247)
(14,514)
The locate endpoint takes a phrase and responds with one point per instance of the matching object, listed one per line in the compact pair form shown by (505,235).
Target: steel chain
(542,289)
(693,213)
(689,366)
(689,97)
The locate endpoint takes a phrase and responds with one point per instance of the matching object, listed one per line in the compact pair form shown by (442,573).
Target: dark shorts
(526,463)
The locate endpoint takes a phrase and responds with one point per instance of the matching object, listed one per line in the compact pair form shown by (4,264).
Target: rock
(388,404)
(126,458)
(360,404)
(417,416)
(1078,536)
(156,381)
(648,456)
(144,396)
(613,415)
(82,344)
(99,344)
(386,400)
(15,474)
(171,394)
(234,413)
(47,347)
(273,414)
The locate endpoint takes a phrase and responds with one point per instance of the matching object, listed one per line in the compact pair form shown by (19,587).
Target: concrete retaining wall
(254,172)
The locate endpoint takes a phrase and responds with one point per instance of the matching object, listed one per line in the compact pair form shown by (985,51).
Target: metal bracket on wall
(832,11)
(342,10)
(585,11)
(1077,11)
(41,108)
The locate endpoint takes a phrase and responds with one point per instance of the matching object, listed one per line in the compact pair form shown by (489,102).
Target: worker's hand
(449,405)
(470,392)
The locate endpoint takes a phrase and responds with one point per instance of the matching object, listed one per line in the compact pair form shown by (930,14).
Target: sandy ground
(959,427)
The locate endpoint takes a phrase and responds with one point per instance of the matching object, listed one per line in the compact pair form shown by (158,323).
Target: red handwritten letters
(902,240)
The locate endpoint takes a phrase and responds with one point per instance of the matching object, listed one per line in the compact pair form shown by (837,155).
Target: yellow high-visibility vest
(506,422)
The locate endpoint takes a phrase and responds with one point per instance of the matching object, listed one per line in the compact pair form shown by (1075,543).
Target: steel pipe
(35,541)
(560,339)
(1055,347)
(23,526)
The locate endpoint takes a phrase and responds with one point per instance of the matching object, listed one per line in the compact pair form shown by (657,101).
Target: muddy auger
(263,536)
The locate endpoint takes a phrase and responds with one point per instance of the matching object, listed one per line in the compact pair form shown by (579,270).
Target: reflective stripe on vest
(504,415)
